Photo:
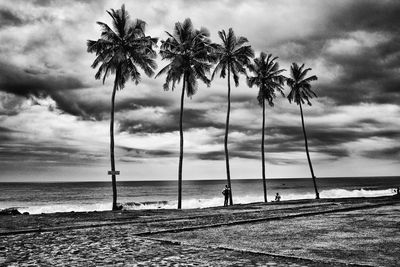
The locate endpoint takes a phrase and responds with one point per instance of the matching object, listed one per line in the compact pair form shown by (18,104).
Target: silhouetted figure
(277,197)
(226,192)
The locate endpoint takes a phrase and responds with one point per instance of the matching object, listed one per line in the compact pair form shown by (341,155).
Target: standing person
(277,197)
(226,193)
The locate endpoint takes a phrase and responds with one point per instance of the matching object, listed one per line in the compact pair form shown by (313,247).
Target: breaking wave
(38,209)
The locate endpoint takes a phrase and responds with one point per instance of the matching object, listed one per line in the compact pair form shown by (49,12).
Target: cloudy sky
(54,116)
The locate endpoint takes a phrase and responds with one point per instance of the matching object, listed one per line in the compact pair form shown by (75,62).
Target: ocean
(37,198)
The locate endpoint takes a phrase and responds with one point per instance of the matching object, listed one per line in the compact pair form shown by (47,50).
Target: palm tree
(120,50)
(191,55)
(268,79)
(300,92)
(233,56)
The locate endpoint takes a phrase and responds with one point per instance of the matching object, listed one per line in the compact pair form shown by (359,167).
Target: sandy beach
(327,232)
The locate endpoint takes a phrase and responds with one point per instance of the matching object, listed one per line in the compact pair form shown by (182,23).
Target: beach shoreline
(23,222)
(53,197)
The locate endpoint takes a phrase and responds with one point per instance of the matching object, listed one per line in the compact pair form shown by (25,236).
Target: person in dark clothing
(277,197)
(226,193)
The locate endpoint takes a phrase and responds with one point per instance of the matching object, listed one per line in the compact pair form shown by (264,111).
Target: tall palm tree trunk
(181,146)
(113,179)
(228,174)
(262,152)
(308,154)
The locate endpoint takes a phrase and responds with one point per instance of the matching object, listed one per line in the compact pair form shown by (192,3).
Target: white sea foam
(38,209)
(215,202)
(340,193)
(192,203)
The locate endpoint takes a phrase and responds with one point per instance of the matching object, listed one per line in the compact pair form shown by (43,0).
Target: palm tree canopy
(233,54)
(191,55)
(300,85)
(123,47)
(268,78)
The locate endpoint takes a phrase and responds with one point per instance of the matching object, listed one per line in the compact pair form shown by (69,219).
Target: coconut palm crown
(120,50)
(232,55)
(190,54)
(300,87)
(123,48)
(267,77)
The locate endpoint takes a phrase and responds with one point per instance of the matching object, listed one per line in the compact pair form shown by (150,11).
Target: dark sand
(327,232)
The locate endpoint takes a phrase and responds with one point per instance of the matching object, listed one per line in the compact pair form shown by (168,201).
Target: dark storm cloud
(8,18)
(368,15)
(326,140)
(16,18)
(366,77)
(11,104)
(5,130)
(37,56)
(321,139)
(6,135)
(43,2)
(37,83)
(41,84)
(99,108)
(46,154)
(236,99)
(282,140)
(392,153)
(83,110)
(370,74)
(133,126)
(220,155)
(46,3)
(136,103)
(193,119)
(318,136)
(132,154)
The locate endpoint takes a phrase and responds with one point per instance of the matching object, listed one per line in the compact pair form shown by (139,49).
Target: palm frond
(219,68)
(300,85)
(232,54)
(191,54)
(267,76)
(122,49)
